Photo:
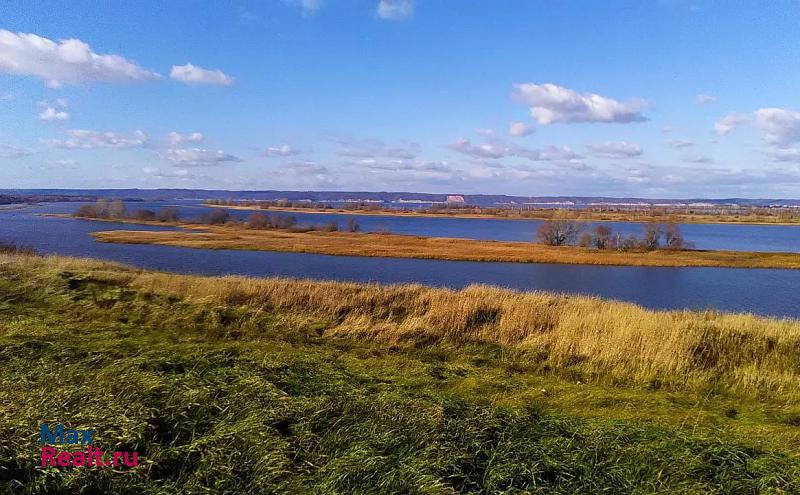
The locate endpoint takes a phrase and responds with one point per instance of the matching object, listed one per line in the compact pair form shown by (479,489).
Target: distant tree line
(116,210)
(567,232)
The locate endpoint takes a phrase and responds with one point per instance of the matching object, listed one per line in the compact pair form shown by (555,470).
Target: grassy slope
(404,246)
(290,387)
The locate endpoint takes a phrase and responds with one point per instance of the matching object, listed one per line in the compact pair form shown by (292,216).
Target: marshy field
(235,384)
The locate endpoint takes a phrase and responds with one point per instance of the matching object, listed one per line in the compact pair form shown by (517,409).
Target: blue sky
(652,99)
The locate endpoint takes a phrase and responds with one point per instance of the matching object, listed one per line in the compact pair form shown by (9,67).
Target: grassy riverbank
(403,246)
(266,385)
(540,214)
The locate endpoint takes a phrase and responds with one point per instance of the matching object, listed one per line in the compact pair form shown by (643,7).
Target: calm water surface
(769,292)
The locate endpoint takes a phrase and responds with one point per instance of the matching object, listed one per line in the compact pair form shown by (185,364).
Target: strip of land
(403,246)
(539,214)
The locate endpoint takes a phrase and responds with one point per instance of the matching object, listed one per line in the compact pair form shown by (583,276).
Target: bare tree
(258,221)
(352,225)
(219,217)
(672,236)
(168,214)
(603,237)
(146,215)
(652,236)
(116,209)
(559,232)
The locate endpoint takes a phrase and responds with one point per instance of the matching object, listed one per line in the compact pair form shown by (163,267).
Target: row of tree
(565,232)
(116,210)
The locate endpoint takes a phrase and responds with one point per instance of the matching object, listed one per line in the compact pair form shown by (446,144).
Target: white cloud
(702,99)
(699,159)
(500,149)
(69,61)
(551,103)
(465,146)
(548,154)
(520,129)
(87,140)
(281,150)
(615,149)
(54,111)
(372,148)
(678,143)
(51,113)
(727,123)
(394,10)
(169,174)
(63,163)
(196,75)
(667,129)
(176,138)
(785,154)
(198,157)
(485,132)
(305,168)
(307,6)
(779,126)
(8,151)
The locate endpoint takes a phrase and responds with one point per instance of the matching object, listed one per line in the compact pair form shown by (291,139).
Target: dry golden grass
(605,340)
(403,246)
(544,214)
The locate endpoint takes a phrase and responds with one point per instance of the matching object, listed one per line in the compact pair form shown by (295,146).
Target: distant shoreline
(538,214)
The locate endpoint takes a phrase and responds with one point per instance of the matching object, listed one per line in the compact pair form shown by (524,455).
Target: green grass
(240,398)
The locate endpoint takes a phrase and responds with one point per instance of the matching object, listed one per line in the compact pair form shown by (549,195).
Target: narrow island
(558,241)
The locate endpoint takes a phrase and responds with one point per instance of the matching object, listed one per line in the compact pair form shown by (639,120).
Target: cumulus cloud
(520,129)
(727,123)
(281,150)
(702,99)
(678,143)
(51,113)
(196,75)
(372,148)
(615,149)
(394,10)
(551,104)
(68,61)
(86,140)
(779,126)
(8,151)
(485,132)
(176,138)
(198,157)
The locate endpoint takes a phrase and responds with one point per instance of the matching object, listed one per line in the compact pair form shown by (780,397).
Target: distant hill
(342,196)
